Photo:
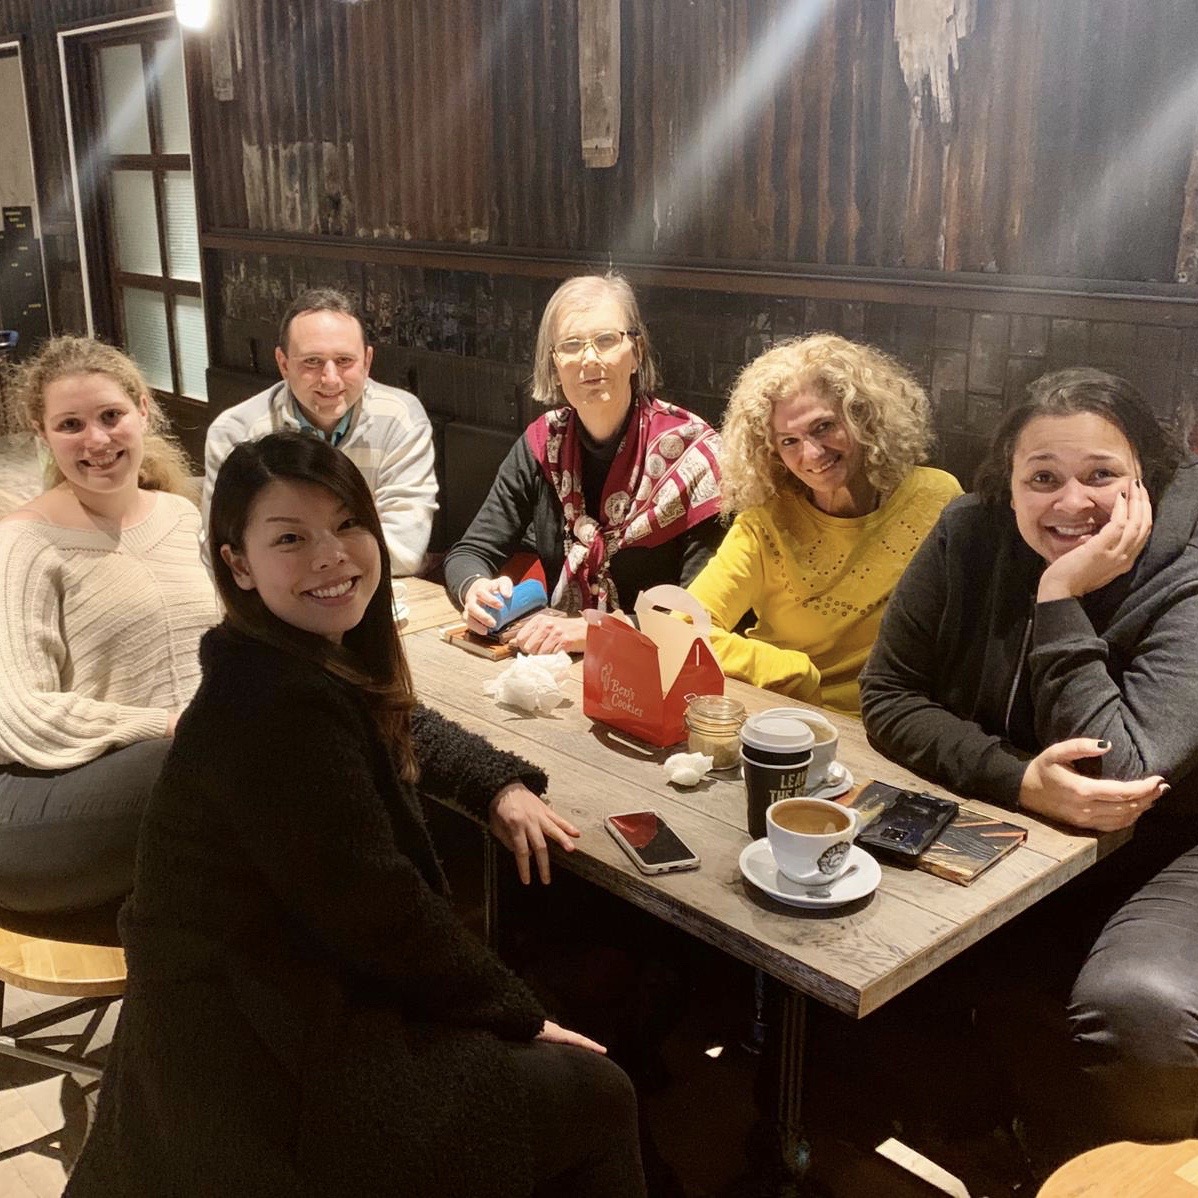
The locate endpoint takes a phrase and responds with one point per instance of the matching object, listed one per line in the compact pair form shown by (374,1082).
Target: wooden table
(428,605)
(852,958)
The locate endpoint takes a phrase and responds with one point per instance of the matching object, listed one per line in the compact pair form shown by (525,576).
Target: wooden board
(854,958)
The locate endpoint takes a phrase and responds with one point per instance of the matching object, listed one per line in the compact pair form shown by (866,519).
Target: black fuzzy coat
(304,1013)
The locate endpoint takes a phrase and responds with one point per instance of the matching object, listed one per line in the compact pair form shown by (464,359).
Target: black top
(970,677)
(523,506)
(302,1000)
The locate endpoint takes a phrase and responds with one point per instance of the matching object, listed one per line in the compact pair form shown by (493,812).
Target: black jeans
(585,1142)
(1134,1010)
(68,838)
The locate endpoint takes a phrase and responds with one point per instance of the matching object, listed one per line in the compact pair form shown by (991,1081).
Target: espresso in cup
(810,839)
(775,756)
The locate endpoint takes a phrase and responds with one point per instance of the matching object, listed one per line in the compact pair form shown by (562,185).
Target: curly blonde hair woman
(103,600)
(822,442)
(882,406)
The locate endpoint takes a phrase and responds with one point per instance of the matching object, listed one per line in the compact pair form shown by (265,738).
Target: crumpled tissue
(687,769)
(531,683)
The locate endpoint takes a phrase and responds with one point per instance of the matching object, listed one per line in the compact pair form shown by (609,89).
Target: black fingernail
(1104,744)
(1138,484)
(1123,494)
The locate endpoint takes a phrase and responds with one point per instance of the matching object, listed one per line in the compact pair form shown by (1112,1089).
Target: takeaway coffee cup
(810,839)
(823,750)
(775,754)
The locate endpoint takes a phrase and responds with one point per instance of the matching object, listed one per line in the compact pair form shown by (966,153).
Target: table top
(853,958)
(428,605)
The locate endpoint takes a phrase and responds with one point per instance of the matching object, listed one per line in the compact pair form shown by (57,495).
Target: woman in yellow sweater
(821,444)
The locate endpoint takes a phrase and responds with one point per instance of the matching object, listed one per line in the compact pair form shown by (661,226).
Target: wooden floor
(44,1114)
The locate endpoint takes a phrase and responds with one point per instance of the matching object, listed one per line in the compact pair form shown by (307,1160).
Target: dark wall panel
(759,131)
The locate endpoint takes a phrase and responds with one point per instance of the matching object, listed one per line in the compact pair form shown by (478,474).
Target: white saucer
(833,790)
(861,878)
(400,612)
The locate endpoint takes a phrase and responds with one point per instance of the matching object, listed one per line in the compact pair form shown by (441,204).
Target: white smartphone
(655,848)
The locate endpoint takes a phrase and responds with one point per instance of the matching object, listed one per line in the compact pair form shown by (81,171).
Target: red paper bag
(640,680)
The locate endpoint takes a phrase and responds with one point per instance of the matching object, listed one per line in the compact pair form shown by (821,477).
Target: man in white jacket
(327,390)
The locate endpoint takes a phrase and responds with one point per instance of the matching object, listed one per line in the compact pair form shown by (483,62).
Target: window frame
(104,279)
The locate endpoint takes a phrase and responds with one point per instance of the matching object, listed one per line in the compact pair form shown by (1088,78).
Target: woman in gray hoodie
(1039,652)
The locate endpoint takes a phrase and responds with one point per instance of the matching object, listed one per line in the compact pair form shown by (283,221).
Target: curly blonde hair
(881,404)
(578,294)
(164,465)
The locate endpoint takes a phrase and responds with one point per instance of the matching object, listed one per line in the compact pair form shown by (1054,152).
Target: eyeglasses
(603,344)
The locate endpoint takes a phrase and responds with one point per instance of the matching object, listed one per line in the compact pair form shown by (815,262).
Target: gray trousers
(68,838)
(1134,1011)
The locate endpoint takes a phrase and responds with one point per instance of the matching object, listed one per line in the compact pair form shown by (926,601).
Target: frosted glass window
(136,222)
(123,83)
(192,343)
(182,236)
(172,96)
(145,332)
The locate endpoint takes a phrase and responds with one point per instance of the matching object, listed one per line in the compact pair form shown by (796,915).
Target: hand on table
(547,634)
(1052,787)
(484,597)
(556,1034)
(522,822)
(1110,552)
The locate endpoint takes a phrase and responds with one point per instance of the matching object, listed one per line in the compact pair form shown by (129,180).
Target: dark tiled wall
(464,342)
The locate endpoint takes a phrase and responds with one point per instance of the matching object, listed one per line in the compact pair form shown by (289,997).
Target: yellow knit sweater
(817,584)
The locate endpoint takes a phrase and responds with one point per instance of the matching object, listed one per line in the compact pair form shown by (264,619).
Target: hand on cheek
(1109,553)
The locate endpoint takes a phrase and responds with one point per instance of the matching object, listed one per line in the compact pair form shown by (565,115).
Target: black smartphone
(908,823)
(655,848)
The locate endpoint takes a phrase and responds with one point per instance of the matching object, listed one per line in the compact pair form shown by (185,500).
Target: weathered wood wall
(1018,195)
(755,131)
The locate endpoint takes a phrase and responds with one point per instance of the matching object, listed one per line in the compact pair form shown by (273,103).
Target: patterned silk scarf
(663,480)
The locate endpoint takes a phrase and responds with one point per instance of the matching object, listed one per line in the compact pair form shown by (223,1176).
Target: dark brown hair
(370,656)
(319,299)
(1067,393)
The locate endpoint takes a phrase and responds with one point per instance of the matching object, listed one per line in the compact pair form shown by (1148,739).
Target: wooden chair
(91,974)
(1127,1170)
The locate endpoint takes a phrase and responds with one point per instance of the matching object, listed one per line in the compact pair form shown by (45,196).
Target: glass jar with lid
(713,728)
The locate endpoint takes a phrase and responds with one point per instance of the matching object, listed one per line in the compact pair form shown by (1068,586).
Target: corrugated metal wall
(753,130)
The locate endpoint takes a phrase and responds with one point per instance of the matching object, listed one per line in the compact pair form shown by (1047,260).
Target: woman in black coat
(304,1012)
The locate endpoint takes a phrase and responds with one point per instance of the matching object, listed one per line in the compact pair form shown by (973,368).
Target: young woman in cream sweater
(103,602)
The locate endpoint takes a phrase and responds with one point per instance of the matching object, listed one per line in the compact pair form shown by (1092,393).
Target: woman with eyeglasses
(615,489)
(821,443)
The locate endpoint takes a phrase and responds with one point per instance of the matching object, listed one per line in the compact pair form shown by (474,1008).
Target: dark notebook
(972,843)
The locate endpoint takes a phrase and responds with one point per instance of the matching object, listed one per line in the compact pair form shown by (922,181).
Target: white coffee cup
(823,769)
(810,839)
